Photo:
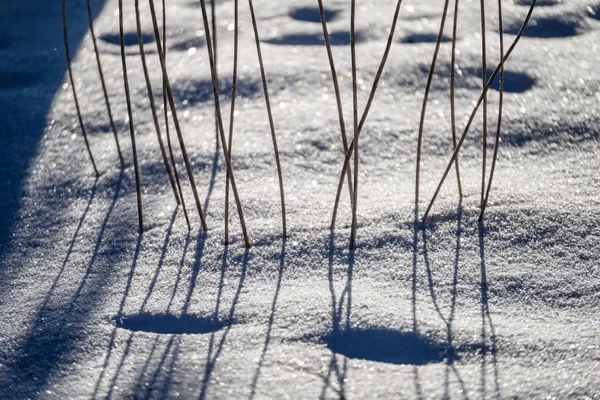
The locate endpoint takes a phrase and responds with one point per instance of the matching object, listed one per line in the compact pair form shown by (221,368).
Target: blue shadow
(32,69)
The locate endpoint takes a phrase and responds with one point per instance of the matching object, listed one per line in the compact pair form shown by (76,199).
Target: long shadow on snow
(340,369)
(48,345)
(30,58)
(157,382)
(376,343)
(409,347)
(215,346)
(150,387)
(486,316)
(453,352)
(214,352)
(270,324)
(121,320)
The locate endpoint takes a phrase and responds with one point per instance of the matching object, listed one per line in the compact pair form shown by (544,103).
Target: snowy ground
(449,309)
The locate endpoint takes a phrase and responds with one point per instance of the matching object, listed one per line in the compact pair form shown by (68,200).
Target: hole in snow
(539,3)
(514,82)
(387,345)
(424,38)
(301,39)
(171,324)
(548,27)
(129,38)
(311,14)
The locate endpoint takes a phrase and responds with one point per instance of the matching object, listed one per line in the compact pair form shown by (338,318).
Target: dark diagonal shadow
(161,260)
(215,324)
(172,340)
(339,368)
(485,316)
(120,317)
(214,350)
(114,333)
(270,324)
(47,345)
(415,327)
(71,246)
(172,346)
(451,351)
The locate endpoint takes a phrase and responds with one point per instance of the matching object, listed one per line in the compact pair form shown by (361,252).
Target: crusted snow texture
(446,309)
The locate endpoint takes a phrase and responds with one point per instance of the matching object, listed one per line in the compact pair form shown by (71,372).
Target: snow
(445,309)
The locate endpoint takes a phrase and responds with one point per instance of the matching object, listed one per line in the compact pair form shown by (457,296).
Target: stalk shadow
(114,332)
(486,316)
(415,327)
(217,323)
(451,351)
(119,317)
(172,346)
(452,354)
(340,368)
(47,346)
(213,355)
(155,376)
(70,249)
(261,360)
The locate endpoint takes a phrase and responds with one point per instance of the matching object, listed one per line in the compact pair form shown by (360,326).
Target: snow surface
(449,309)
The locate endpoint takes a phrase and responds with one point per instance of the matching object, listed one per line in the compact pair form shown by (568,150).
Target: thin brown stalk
(452,86)
(478,104)
(232,110)
(106,100)
(152,104)
(499,124)
(68,54)
(483,79)
(186,160)
(166,115)
(213,12)
(215,86)
(365,112)
(426,98)
(336,87)
(130,115)
(270,115)
(355,120)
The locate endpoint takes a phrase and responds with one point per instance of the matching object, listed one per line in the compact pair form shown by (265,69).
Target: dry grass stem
(72,82)
(104,91)
(166,115)
(232,110)
(452,86)
(426,98)
(215,87)
(152,104)
(130,117)
(167,84)
(338,98)
(499,124)
(478,104)
(270,116)
(366,111)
